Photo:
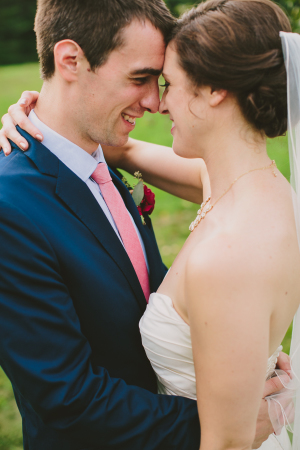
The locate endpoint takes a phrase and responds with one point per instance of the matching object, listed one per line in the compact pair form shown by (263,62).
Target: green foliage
(138,193)
(177,7)
(10,420)
(291,7)
(17,38)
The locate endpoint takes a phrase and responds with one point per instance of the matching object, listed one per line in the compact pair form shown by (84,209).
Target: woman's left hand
(284,363)
(274,385)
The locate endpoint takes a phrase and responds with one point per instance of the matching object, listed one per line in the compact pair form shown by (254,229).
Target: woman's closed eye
(166,85)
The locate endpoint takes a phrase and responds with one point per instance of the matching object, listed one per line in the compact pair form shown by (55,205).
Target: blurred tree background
(17,39)
(291,7)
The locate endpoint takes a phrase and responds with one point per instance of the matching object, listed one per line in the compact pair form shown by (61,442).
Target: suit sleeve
(48,359)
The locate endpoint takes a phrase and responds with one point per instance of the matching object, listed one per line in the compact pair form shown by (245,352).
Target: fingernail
(23,101)
(39,137)
(23,145)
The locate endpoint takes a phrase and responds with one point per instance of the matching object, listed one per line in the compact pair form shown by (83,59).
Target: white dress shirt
(82,164)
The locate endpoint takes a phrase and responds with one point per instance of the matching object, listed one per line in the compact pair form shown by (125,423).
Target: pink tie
(124,224)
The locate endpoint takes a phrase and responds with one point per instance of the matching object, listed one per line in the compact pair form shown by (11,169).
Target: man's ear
(217,96)
(69,59)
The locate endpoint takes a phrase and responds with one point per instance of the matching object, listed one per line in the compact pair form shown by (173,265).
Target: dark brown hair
(95,25)
(235,45)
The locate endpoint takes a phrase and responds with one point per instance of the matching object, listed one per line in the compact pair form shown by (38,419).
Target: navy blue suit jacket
(70,304)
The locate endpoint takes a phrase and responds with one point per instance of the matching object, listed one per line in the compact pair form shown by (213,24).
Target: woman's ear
(69,58)
(217,96)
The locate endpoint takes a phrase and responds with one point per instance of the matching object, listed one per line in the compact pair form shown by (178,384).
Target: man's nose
(150,101)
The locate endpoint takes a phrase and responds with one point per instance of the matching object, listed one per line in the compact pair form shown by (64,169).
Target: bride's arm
(185,178)
(161,167)
(229,318)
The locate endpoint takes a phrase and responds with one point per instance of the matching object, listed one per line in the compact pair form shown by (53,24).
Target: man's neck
(56,113)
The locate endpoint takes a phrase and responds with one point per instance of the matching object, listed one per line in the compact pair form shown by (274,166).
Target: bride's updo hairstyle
(235,45)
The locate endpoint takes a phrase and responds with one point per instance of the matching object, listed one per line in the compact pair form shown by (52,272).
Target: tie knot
(101,175)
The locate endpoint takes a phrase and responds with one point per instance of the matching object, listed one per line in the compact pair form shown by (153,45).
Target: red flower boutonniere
(142,196)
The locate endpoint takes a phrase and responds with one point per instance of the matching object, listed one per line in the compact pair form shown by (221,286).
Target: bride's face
(189,110)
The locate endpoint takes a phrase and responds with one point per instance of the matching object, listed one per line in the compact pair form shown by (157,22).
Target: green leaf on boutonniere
(138,193)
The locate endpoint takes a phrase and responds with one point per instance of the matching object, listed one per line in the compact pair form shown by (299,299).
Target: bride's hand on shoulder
(18,115)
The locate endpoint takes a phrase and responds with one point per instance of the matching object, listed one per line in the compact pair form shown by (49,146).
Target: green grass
(16,79)
(10,421)
(171,216)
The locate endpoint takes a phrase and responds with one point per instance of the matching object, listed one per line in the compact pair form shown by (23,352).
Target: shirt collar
(75,158)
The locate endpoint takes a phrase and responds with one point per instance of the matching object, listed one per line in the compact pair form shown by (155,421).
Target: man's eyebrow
(147,71)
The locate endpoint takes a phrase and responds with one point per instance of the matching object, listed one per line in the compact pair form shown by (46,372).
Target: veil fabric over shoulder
(291,52)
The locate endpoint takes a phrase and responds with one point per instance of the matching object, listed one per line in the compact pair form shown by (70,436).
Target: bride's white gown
(167,342)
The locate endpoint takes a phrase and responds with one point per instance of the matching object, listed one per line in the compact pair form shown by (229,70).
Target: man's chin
(115,141)
(122,141)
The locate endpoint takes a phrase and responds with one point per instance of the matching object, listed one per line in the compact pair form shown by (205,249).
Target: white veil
(291,52)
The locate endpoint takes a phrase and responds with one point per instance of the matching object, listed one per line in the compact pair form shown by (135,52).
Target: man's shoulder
(8,161)
(37,158)
(14,159)
(12,168)
(20,177)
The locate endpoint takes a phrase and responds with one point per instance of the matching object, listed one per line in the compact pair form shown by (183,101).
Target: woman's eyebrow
(147,71)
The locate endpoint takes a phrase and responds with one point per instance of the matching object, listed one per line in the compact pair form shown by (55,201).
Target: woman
(223,309)
(234,287)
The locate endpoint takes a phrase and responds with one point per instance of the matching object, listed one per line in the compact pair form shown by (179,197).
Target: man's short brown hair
(95,25)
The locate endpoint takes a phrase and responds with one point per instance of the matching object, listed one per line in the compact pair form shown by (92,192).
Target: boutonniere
(142,196)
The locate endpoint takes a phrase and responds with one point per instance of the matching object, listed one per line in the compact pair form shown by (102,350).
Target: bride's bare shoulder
(256,249)
(225,253)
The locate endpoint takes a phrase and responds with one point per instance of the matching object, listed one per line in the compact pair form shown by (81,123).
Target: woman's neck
(229,155)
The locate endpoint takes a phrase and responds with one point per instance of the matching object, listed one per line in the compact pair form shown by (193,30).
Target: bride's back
(270,228)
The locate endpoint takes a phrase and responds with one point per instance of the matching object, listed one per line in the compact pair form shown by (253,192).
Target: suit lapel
(147,234)
(77,196)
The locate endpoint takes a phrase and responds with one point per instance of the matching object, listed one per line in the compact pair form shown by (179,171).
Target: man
(74,279)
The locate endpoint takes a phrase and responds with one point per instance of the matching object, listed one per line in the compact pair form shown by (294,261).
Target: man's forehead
(142,51)
(142,38)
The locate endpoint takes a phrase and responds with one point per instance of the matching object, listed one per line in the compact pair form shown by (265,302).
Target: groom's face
(120,91)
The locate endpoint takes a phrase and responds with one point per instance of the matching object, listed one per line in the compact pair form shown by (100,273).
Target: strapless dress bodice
(167,342)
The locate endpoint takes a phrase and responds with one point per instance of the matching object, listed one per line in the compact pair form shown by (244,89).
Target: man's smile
(128,118)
